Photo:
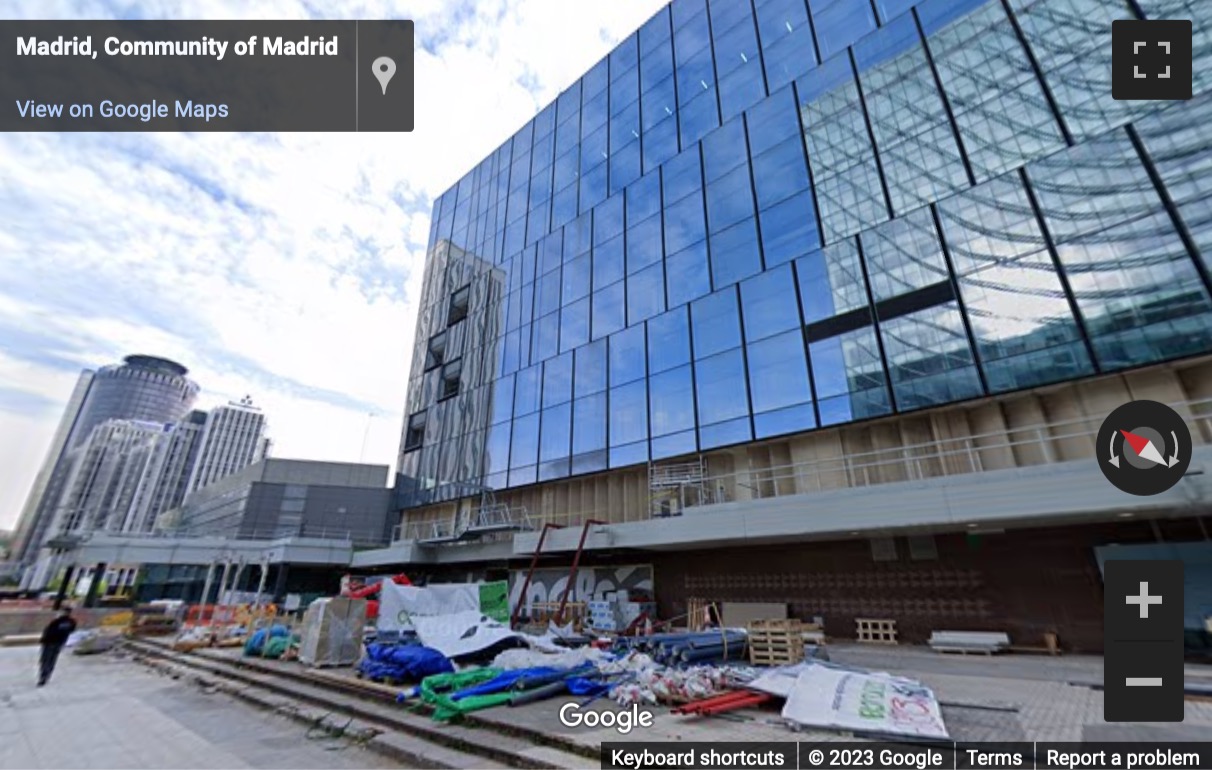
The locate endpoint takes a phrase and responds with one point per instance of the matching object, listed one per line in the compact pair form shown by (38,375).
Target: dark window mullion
(959,297)
(1039,73)
(938,83)
(875,151)
(875,325)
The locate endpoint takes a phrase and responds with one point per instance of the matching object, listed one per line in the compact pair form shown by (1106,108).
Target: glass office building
(758,219)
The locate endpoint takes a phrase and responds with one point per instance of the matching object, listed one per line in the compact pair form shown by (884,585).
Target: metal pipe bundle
(698,646)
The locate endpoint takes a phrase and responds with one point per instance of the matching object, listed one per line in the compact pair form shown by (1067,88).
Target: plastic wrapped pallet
(331,633)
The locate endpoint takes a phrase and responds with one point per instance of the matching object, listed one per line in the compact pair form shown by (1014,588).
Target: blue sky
(282,266)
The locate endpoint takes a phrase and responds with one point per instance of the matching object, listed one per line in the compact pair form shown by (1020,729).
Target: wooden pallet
(875,630)
(964,651)
(776,642)
(697,615)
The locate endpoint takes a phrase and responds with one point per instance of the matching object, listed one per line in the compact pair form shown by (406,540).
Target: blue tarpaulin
(506,681)
(405,663)
(256,642)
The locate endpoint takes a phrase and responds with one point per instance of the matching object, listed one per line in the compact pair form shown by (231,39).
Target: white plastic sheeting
(456,634)
(399,605)
(841,698)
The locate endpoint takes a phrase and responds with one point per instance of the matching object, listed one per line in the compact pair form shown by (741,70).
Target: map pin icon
(384,68)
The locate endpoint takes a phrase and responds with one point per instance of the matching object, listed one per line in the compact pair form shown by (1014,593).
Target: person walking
(54,636)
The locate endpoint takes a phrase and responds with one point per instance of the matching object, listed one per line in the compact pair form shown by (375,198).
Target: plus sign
(1144,600)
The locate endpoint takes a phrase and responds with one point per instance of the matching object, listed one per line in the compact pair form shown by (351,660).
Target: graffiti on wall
(592,583)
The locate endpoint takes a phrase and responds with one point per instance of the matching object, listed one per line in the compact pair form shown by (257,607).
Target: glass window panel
(735,254)
(674,445)
(645,293)
(726,14)
(847,181)
(524,447)
(656,66)
(890,9)
(526,390)
(644,197)
(549,289)
(699,117)
(769,304)
(999,105)
(657,104)
(788,57)
(501,404)
(685,223)
(629,414)
(655,32)
(594,149)
(591,368)
(660,143)
(729,199)
(1069,40)
(772,122)
(1139,293)
(1092,187)
(594,114)
(929,359)
(831,282)
(777,19)
(625,93)
(576,277)
(682,175)
(725,150)
(545,340)
(1176,139)
(1025,331)
(695,77)
(789,230)
(741,88)
(609,312)
(903,255)
(564,206)
(627,355)
(644,244)
(596,78)
(574,324)
(608,262)
(736,44)
(691,32)
(496,449)
(725,433)
(780,173)
(578,236)
(671,401)
(626,55)
(688,274)
(557,380)
(779,422)
(625,127)
(589,424)
(849,377)
(625,167)
(778,372)
(722,393)
(593,189)
(668,340)
(838,24)
(556,433)
(608,220)
(716,323)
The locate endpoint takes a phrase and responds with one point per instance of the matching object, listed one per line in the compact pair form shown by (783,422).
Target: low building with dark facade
(276,499)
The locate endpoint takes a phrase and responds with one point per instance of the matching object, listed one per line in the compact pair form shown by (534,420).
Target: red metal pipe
(534,561)
(576,561)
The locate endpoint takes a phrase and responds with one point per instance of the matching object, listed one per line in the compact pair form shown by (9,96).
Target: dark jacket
(58,630)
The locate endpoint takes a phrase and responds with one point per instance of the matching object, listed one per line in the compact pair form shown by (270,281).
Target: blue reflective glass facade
(764,217)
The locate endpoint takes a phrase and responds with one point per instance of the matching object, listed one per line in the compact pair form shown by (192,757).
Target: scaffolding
(488,518)
(672,487)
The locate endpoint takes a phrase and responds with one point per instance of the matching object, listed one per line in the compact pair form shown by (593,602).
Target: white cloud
(119,244)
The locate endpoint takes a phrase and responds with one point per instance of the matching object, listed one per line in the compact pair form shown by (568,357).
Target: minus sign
(1143,681)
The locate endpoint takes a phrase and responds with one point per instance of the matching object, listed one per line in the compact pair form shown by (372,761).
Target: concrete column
(67,579)
(210,578)
(261,583)
(90,598)
(280,583)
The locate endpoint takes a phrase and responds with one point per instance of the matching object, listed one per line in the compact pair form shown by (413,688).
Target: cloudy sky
(281,266)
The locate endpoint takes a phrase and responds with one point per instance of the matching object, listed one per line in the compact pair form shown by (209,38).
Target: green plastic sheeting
(494,600)
(436,691)
(276,647)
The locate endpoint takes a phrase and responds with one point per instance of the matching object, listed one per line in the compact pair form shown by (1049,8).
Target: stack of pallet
(776,642)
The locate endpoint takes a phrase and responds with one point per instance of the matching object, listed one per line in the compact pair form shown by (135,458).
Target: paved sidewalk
(101,712)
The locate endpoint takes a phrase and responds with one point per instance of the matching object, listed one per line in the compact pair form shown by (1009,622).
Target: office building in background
(143,388)
(823,303)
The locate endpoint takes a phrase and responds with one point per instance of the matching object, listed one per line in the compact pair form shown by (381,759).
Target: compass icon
(1144,448)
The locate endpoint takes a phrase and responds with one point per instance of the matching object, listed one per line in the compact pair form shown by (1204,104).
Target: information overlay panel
(280,76)
(895,756)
